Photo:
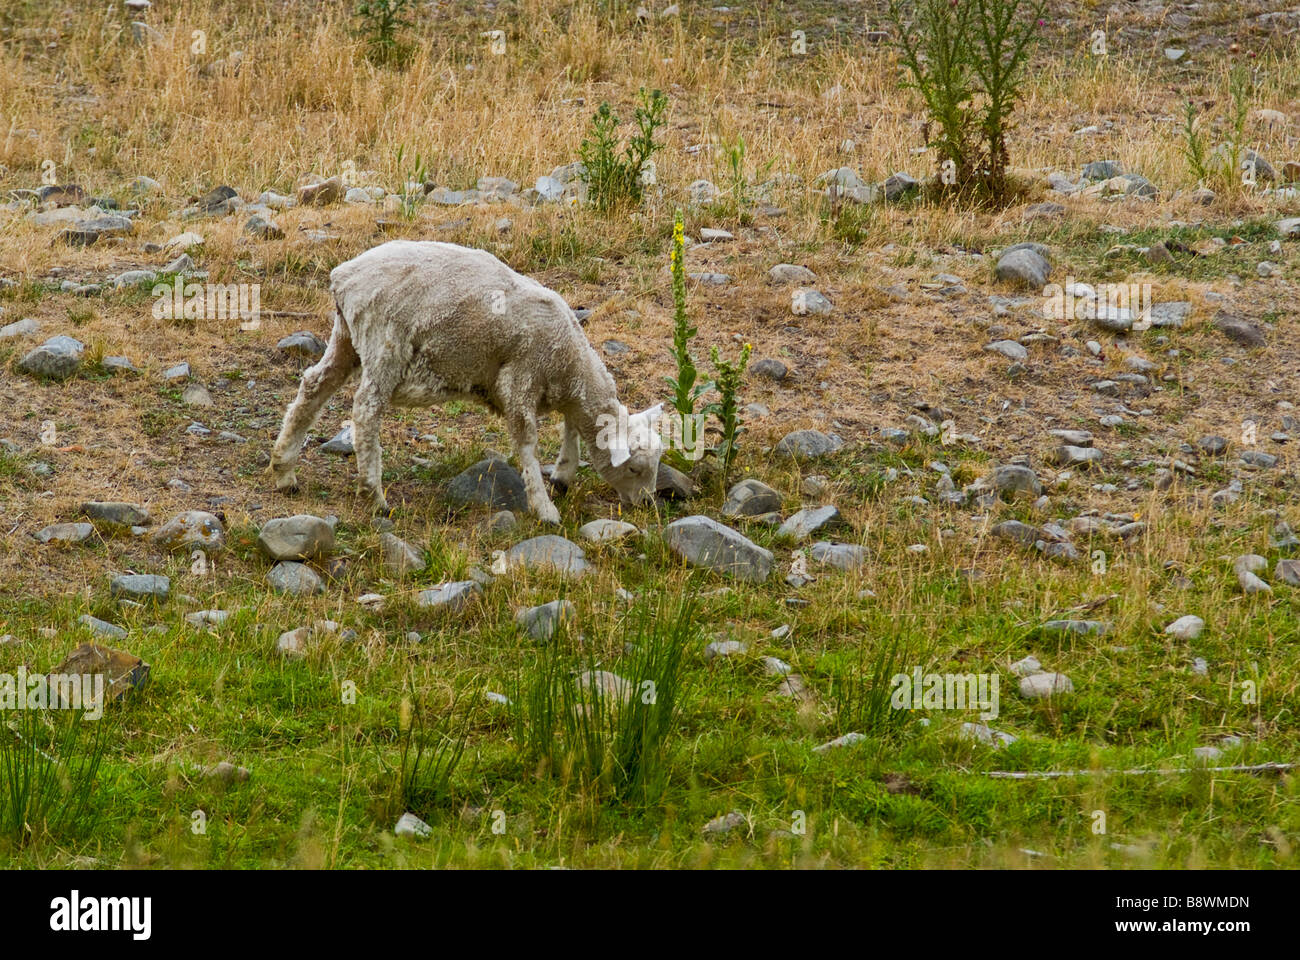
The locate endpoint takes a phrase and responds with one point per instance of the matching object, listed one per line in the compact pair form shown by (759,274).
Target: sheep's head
(634,455)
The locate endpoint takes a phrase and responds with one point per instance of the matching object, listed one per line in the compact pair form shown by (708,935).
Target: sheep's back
(442,311)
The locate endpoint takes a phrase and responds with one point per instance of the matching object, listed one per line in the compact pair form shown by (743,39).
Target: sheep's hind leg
(566,466)
(523,432)
(367,408)
(319,383)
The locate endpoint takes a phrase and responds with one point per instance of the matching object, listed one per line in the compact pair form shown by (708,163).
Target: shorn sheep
(424,323)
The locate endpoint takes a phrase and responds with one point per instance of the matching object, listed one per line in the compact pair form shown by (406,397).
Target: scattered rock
(300,537)
(549,553)
(492,482)
(295,579)
(541,622)
(704,542)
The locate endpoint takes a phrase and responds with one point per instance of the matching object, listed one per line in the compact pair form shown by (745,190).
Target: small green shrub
(380,22)
(967,59)
(686,392)
(727,409)
(614,178)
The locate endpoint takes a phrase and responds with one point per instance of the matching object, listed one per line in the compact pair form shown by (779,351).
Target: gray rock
(1013,479)
(56,359)
(295,579)
(848,740)
(842,556)
(138,586)
(751,497)
(1101,170)
(300,537)
(806,302)
(400,558)
(1017,532)
(191,530)
(1024,267)
(1288,571)
(549,553)
(341,444)
(704,542)
(720,826)
(19,328)
(1039,685)
(102,627)
(1078,628)
(449,597)
(411,826)
(541,622)
(791,273)
(672,484)
(724,649)
(606,531)
(1239,331)
(304,344)
(769,369)
(1188,627)
(1008,348)
(492,482)
(115,514)
(808,521)
(65,533)
(807,445)
(1071,456)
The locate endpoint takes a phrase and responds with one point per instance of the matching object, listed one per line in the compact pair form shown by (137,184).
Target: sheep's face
(634,468)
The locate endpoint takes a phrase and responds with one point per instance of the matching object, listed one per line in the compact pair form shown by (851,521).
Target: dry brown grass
(306,102)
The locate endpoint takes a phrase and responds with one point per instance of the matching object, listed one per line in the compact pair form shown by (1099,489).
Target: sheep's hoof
(286,482)
(560,487)
(549,515)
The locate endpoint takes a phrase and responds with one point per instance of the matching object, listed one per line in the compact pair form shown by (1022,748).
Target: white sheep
(430,322)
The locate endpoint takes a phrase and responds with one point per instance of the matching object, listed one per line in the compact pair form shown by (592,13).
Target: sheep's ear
(619,456)
(651,412)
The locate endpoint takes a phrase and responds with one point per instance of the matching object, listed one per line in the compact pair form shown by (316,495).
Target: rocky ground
(939,471)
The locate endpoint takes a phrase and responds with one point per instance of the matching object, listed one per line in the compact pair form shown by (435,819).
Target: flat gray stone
(300,537)
(451,597)
(65,533)
(138,586)
(749,498)
(542,621)
(842,556)
(703,542)
(808,521)
(102,627)
(549,553)
(400,558)
(115,514)
(56,359)
(807,445)
(295,579)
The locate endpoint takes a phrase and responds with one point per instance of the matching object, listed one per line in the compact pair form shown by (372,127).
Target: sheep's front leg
(367,408)
(566,466)
(523,432)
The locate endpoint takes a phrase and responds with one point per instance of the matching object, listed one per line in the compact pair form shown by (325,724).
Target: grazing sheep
(430,322)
